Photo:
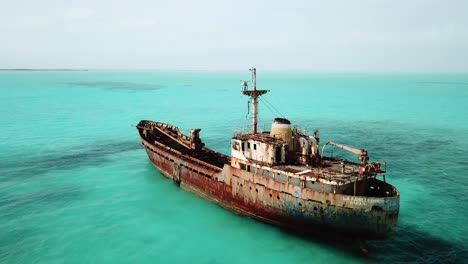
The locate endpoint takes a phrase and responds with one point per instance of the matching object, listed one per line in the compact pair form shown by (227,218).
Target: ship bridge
(281,146)
(259,148)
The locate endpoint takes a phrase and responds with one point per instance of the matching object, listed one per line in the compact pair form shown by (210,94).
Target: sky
(225,35)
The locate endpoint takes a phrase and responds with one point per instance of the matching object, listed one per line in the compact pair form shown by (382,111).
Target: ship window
(255,146)
(300,204)
(242,166)
(248,168)
(243,146)
(248,145)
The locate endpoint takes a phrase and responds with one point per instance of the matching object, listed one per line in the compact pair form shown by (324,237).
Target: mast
(254,94)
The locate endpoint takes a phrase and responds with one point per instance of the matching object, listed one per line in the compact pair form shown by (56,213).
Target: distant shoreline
(43,70)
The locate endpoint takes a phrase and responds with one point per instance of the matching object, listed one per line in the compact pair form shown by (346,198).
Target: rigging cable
(244,118)
(268,104)
(273,112)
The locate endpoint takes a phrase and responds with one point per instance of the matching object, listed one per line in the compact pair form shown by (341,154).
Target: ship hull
(305,211)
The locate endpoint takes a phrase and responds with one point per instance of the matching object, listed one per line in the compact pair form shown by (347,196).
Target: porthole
(277,197)
(300,204)
(271,195)
(256,190)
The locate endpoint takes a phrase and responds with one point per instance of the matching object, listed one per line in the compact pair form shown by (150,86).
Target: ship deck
(330,169)
(168,137)
(329,172)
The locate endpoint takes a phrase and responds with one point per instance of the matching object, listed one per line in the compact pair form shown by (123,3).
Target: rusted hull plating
(280,204)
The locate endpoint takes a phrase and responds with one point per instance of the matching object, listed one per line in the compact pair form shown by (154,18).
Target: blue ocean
(76,185)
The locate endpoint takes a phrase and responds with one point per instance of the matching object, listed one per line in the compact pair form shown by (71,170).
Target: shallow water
(76,186)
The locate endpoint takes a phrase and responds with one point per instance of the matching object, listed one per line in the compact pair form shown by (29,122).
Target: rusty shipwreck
(279,177)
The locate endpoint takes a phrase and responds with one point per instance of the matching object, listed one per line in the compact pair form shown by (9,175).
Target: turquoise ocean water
(77,187)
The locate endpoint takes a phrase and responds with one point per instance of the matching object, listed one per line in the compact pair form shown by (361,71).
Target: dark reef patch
(68,158)
(128,86)
(407,244)
(37,201)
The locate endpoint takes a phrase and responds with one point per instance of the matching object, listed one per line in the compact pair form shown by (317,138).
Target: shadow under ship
(279,177)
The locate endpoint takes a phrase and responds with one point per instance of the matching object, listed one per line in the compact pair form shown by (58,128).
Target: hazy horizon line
(221,70)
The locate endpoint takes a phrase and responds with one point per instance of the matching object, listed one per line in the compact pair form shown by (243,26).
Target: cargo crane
(362,154)
(374,167)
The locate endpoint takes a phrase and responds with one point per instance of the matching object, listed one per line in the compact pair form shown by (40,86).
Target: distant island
(43,70)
